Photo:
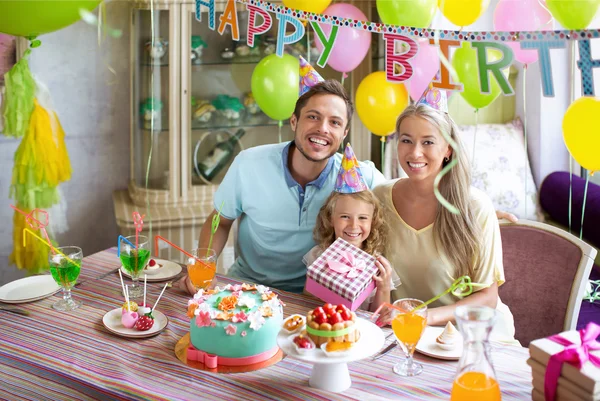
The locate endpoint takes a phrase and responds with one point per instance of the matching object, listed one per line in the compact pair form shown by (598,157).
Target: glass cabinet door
(219,113)
(154,122)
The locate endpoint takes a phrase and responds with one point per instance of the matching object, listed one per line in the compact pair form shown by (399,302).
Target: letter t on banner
(257,30)
(211,12)
(586,64)
(543,48)
(282,38)
(392,58)
(229,17)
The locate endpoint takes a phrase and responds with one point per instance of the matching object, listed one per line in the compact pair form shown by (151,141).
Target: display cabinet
(192,112)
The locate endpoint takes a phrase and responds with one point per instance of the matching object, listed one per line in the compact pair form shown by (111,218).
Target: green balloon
(276,85)
(573,14)
(34,17)
(466,65)
(413,13)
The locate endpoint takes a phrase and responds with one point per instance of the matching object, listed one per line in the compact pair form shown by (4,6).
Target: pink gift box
(343,274)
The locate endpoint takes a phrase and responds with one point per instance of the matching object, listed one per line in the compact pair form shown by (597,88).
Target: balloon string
(571,98)
(343,77)
(475,135)
(280,124)
(308,42)
(443,59)
(382,153)
(587,181)
(526,177)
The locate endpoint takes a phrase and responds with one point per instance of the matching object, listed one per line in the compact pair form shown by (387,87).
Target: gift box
(570,361)
(343,274)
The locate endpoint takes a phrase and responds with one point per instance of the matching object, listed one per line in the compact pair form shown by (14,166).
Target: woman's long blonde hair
(457,234)
(324,233)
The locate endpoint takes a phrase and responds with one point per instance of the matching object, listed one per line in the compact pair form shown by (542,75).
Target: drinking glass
(202,269)
(65,271)
(134,260)
(408,327)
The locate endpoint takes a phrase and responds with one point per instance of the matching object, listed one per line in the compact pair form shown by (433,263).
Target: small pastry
(447,340)
(133,307)
(293,323)
(152,267)
(129,319)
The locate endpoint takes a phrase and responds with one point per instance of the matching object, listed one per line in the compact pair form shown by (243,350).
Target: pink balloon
(351,45)
(425,65)
(522,15)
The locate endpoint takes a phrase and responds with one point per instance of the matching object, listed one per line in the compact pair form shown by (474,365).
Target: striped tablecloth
(69,356)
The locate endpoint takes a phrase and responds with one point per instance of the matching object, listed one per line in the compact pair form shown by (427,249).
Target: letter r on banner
(252,28)
(211,12)
(494,67)
(392,58)
(282,38)
(586,64)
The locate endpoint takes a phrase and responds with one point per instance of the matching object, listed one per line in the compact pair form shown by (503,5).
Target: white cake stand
(331,373)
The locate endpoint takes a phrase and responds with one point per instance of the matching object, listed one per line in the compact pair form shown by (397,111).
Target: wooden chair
(546,271)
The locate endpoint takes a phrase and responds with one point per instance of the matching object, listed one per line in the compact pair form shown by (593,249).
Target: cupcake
(447,340)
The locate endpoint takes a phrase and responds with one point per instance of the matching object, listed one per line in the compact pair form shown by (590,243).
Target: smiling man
(276,191)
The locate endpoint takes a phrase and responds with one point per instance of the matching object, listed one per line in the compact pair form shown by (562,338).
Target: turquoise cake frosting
(236,321)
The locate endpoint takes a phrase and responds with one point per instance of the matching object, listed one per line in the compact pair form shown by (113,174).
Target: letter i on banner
(211,12)
(494,67)
(444,73)
(543,48)
(254,30)
(586,64)
(282,38)
(229,17)
(392,58)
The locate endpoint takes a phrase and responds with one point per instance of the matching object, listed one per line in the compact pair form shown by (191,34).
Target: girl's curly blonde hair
(324,233)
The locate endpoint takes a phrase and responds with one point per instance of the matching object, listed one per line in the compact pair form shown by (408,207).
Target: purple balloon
(351,45)
(522,15)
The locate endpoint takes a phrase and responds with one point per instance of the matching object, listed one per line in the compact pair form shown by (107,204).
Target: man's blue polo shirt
(277,216)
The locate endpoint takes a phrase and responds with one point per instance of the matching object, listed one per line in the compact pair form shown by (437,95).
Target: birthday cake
(234,326)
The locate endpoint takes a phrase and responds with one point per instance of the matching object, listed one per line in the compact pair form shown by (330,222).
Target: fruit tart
(332,318)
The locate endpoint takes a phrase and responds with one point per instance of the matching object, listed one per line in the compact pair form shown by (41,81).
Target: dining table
(52,355)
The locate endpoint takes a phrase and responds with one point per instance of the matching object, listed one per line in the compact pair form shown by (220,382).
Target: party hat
(350,180)
(309,77)
(435,98)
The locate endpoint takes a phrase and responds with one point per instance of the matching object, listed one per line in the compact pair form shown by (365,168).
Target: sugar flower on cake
(230,330)
(256,320)
(248,287)
(262,289)
(228,303)
(274,303)
(266,311)
(239,317)
(191,311)
(203,319)
(227,287)
(247,301)
(268,295)
(237,287)
(237,293)
(224,316)
(204,307)
(244,333)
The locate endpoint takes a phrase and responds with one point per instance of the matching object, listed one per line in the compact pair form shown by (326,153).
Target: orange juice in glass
(202,269)
(475,386)
(408,327)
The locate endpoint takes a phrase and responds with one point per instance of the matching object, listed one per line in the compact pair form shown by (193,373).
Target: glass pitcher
(475,379)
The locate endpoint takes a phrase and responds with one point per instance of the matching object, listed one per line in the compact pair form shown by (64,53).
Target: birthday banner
(402,44)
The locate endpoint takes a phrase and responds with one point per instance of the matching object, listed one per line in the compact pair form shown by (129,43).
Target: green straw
(215,224)
(461,287)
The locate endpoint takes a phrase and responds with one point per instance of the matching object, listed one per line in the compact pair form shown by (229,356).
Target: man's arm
(220,237)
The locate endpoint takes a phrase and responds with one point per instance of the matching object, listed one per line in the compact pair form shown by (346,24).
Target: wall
(93,106)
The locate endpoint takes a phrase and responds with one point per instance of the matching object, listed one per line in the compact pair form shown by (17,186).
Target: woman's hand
(185,285)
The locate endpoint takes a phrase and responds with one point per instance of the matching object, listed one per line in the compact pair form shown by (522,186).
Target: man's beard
(311,158)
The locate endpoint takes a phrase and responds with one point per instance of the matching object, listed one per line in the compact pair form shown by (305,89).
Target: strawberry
(152,263)
(144,323)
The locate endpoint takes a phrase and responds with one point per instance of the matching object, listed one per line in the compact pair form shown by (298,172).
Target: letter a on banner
(229,17)
(211,12)
(254,30)
(392,58)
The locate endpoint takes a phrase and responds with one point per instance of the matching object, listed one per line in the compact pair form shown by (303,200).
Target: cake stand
(331,373)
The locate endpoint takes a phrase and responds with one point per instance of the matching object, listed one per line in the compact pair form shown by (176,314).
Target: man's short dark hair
(327,87)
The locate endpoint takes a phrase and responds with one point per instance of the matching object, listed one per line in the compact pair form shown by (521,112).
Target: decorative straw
(145,276)
(213,229)
(127,299)
(43,242)
(29,219)
(119,241)
(138,222)
(122,283)
(158,299)
(157,237)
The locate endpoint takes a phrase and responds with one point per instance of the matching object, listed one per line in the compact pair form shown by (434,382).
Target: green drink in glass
(65,266)
(134,260)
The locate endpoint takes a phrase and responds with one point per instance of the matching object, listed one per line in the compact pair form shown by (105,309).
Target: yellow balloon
(580,132)
(312,6)
(463,12)
(379,103)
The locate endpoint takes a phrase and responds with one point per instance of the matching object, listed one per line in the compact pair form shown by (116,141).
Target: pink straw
(138,221)
(35,224)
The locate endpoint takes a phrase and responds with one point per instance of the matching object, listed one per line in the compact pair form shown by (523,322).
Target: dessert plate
(28,289)
(428,346)
(112,322)
(166,272)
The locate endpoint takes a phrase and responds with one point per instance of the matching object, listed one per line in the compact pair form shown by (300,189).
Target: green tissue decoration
(20,92)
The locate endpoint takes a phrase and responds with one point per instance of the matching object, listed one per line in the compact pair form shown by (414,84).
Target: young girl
(354,214)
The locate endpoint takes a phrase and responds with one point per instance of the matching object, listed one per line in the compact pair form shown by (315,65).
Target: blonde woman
(428,246)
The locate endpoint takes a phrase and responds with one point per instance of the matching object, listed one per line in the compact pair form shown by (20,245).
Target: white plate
(28,289)
(371,340)
(168,271)
(427,345)
(112,321)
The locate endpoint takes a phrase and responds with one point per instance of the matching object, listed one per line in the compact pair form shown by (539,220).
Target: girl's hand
(383,280)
